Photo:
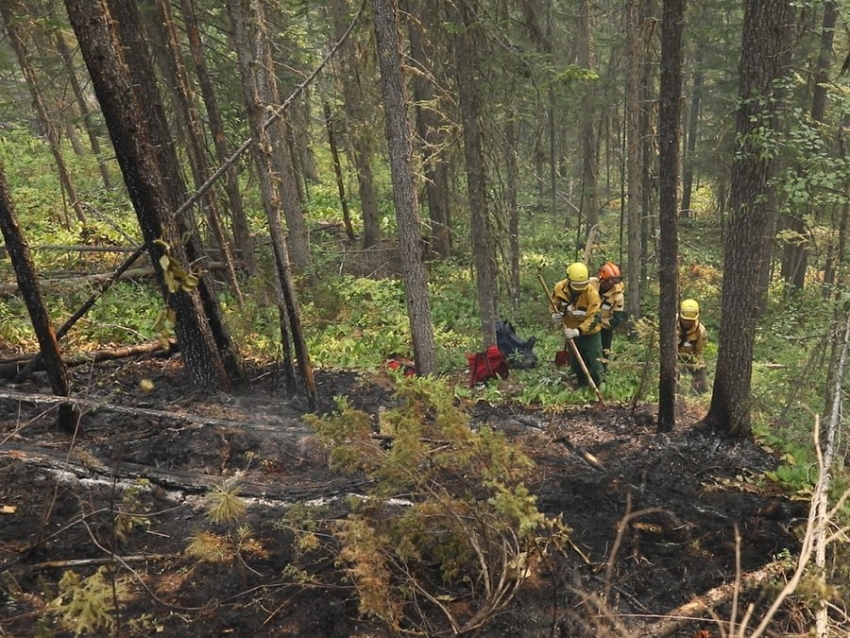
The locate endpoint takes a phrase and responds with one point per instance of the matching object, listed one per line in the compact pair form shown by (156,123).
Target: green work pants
(590,349)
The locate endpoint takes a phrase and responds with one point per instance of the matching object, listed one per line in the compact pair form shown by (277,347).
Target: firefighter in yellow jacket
(609,283)
(692,338)
(576,310)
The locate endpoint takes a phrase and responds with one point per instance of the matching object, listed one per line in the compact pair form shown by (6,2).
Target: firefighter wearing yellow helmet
(576,310)
(692,338)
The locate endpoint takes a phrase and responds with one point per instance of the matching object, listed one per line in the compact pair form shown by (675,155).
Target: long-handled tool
(573,347)
(562,357)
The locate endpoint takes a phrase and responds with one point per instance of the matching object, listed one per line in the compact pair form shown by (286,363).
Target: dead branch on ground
(10,368)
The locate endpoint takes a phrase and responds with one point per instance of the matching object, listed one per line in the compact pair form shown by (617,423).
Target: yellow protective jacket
(691,342)
(612,311)
(580,308)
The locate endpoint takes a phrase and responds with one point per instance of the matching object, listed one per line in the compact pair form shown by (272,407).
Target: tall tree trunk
(162,29)
(359,123)
(127,21)
(633,156)
(82,105)
(281,149)
(149,167)
(429,126)
(648,139)
(511,190)
(768,25)
(19,252)
(467,65)
(820,498)
(340,182)
(795,254)
(241,230)
(12,13)
(301,132)
(590,169)
(669,116)
(693,130)
(404,192)
(245,14)
(836,257)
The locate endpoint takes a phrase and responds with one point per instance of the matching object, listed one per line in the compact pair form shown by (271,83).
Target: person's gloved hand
(557,317)
(571,333)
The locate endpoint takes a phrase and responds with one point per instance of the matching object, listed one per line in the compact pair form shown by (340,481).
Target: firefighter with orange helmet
(609,283)
(692,339)
(576,311)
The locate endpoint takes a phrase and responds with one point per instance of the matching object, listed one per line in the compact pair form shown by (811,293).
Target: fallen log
(701,607)
(10,368)
(10,289)
(170,415)
(73,563)
(86,466)
(86,249)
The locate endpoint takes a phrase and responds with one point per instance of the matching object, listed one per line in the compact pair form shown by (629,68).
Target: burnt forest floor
(676,500)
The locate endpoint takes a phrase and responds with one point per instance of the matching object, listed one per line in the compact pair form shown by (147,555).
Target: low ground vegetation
(516,508)
(199,515)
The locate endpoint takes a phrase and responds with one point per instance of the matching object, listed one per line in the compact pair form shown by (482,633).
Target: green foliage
(224,509)
(223,505)
(131,512)
(445,497)
(86,606)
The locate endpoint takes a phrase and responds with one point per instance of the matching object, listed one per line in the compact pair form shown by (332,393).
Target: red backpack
(487,365)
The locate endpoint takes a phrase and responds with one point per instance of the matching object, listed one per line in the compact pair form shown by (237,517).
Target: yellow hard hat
(689,309)
(578,276)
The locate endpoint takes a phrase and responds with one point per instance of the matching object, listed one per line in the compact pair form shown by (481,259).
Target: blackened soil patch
(654,516)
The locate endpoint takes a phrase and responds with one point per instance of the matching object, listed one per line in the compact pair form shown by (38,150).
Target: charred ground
(654,516)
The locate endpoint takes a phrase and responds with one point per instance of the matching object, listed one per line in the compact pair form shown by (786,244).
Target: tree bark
(467,63)
(590,168)
(669,116)
(795,254)
(340,181)
(693,130)
(19,252)
(127,21)
(85,111)
(352,65)
(768,25)
(241,230)
(151,174)
(164,33)
(245,14)
(430,125)
(404,192)
(633,167)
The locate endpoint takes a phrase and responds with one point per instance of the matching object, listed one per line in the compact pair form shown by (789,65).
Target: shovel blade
(562,358)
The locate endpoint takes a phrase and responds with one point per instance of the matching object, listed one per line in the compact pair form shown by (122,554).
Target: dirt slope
(685,494)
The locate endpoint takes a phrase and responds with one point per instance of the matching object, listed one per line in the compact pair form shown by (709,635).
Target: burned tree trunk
(19,252)
(153,180)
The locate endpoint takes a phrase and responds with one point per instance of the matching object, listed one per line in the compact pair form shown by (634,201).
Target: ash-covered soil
(654,516)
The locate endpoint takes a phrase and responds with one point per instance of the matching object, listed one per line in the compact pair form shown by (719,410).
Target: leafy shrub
(448,518)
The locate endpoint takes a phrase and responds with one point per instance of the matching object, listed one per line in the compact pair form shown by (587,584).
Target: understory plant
(89,606)
(448,525)
(229,537)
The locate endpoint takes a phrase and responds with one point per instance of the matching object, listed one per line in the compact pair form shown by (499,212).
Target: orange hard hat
(609,271)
